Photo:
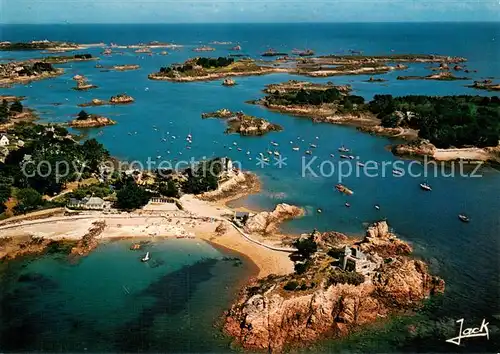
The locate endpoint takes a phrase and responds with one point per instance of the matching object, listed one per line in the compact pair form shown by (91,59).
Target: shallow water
(465,255)
(110,301)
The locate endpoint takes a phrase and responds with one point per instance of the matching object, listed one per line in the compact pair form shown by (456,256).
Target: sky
(247,11)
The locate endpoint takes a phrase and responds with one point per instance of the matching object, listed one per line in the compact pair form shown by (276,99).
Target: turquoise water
(465,255)
(111,301)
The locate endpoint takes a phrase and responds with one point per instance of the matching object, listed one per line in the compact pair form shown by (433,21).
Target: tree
(306,247)
(4,111)
(94,153)
(17,106)
(169,189)
(131,197)
(28,200)
(82,115)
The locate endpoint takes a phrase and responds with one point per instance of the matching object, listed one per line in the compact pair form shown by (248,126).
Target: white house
(4,141)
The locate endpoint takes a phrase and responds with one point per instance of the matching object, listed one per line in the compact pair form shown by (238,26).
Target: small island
(26,71)
(82,83)
(62,59)
(487,85)
(205,69)
(339,285)
(114,100)
(125,67)
(85,120)
(229,82)
(442,76)
(274,53)
(372,79)
(12,111)
(243,124)
(39,45)
(204,49)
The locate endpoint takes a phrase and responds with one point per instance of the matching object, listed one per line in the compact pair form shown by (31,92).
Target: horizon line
(238,23)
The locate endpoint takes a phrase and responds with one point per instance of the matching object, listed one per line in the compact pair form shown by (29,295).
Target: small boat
(397,172)
(277,153)
(319,211)
(235,143)
(295,149)
(343,149)
(313,146)
(269,152)
(308,152)
(341,188)
(344,156)
(425,186)
(360,164)
(377,206)
(347,205)
(351,157)
(239,149)
(332,155)
(274,143)
(248,152)
(463,218)
(145,258)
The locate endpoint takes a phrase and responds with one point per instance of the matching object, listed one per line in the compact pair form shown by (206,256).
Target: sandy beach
(198,220)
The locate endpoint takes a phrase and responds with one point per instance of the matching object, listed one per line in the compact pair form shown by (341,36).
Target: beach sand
(199,220)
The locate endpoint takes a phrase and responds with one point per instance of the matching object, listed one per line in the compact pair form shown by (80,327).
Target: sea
(175,307)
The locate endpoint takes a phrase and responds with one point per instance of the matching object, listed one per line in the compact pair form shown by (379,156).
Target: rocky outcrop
(417,148)
(89,241)
(125,67)
(268,222)
(82,84)
(121,99)
(92,121)
(379,240)
(243,124)
(278,312)
(443,75)
(228,82)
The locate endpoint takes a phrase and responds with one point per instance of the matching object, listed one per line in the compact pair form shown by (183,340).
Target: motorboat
(308,152)
(295,149)
(377,206)
(397,172)
(360,164)
(313,146)
(343,149)
(347,205)
(341,188)
(425,186)
(344,156)
(145,258)
(463,218)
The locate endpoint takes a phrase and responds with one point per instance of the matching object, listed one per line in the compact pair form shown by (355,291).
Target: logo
(470,332)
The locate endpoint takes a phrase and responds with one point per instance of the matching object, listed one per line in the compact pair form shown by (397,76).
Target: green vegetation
(169,189)
(131,197)
(305,247)
(100,190)
(28,199)
(205,63)
(341,277)
(27,46)
(204,177)
(82,115)
(6,111)
(208,63)
(58,158)
(445,121)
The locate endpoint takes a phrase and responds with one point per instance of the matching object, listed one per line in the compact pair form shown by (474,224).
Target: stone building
(352,259)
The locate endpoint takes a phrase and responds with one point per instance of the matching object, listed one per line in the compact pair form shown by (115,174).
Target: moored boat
(425,186)
(341,188)
(463,218)
(145,258)
(343,149)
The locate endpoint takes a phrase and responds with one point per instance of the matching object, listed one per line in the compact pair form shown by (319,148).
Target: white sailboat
(145,258)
